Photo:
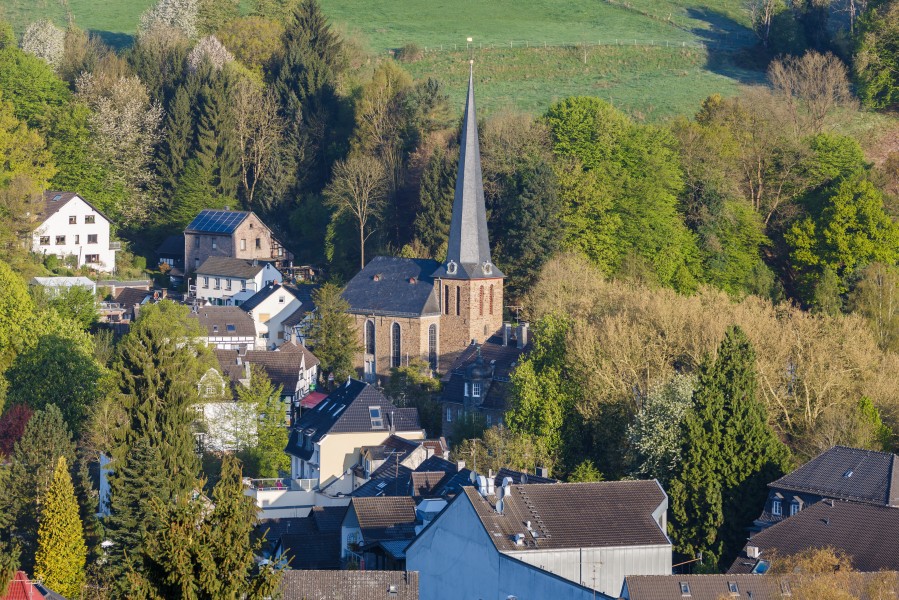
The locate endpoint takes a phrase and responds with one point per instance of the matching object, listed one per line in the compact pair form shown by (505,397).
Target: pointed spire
(468,249)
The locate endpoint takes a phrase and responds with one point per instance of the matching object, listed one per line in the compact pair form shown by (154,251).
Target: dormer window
(776,508)
(377,421)
(488,268)
(451,267)
(476,389)
(795,507)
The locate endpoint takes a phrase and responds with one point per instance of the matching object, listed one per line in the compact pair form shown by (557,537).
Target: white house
(560,540)
(58,285)
(269,308)
(71,227)
(222,280)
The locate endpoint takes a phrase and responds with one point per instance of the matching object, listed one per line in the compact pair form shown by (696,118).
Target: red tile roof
(312,399)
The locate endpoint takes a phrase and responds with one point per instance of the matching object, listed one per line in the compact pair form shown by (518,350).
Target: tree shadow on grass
(732,47)
(114,39)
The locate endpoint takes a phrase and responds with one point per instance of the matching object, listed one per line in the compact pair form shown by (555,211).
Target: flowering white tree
(126,126)
(210,50)
(45,40)
(178,14)
(655,433)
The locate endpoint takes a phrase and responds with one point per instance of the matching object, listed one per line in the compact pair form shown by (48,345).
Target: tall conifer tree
(216,147)
(435,211)
(729,455)
(61,551)
(155,456)
(45,440)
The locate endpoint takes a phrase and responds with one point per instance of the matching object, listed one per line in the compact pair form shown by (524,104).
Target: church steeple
(468,249)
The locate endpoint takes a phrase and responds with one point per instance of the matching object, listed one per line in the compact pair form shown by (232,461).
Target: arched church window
(491,298)
(458,300)
(370,337)
(446,299)
(481,301)
(396,346)
(432,347)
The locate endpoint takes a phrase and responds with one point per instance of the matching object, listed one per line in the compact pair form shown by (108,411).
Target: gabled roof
(574,515)
(314,541)
(705,587)
(55,200)
(346,585)
(847,474)
(385,517)
(867,533)
(282,365)
(217,221)
(225,321)
(427,479)
(264,294)
(172,246)
(394,286)
(131,296)
(22,588)
(468,247)
(346,410)
(303,293)
(225,266)
(64,282)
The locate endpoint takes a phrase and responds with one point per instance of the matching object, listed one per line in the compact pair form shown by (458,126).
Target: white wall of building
(455,559)
(79,238)
(270,314)
(219,289)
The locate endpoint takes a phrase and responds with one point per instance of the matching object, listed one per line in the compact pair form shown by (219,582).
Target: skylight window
(382,485)
(685,589)
(230,327)
(848,474)
(733,588)
(323,405)
(377,421)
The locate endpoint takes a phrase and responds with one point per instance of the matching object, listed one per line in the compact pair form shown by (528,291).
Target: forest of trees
(723,280)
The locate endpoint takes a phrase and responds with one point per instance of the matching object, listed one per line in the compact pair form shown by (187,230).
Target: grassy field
(651,82)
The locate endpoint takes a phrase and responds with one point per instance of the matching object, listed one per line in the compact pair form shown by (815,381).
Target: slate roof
(867,533)
(225,321)
(55,200)
(346,410)
(303,293)
(264,294)
(216,221)
(282,365)
(172,247)
(225,266)
(349,585)
(574,515)
(131,296)
(704,587)
(385,517)
(430,479)
(469,243)
(385,287)
(502,360)
(847,474)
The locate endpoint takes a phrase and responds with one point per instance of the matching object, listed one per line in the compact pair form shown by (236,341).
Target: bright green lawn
(116,20)
(651,84)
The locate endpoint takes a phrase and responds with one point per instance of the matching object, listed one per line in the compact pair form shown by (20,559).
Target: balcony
(283,497)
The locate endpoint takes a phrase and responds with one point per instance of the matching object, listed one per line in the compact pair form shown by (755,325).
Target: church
(420,308)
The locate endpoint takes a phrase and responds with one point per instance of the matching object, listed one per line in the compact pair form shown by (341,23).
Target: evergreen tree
(34,459)
(333,332)
(158,368)
(728,457)
(304,80)
(176,140)
(217,152)
(435,210)
(61,551)
(203,554)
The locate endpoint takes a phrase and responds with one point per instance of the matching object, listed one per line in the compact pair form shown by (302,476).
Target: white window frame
(476,389)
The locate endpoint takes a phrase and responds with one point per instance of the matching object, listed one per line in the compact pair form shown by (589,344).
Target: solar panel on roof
(217,221)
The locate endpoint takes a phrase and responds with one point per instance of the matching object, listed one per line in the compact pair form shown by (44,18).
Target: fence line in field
(512,44)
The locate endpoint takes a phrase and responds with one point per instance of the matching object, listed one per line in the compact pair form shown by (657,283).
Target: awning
(312,399)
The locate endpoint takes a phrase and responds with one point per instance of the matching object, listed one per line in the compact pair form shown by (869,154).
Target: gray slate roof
(216,221)
(225,266)
(867,533)
(847,474)
(469,243)
(349,585)
(55,200)
(225,321)
(346,410)
(263,294)
(172,247)
(282,365)
(574,515)
(394,286)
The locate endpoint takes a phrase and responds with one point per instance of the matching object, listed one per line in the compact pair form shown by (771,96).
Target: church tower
(469,286)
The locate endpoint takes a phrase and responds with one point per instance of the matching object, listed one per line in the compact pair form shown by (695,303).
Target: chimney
(543,472)
(753,551)
(460,464)
(522,336)
(507,333)
(246,366)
